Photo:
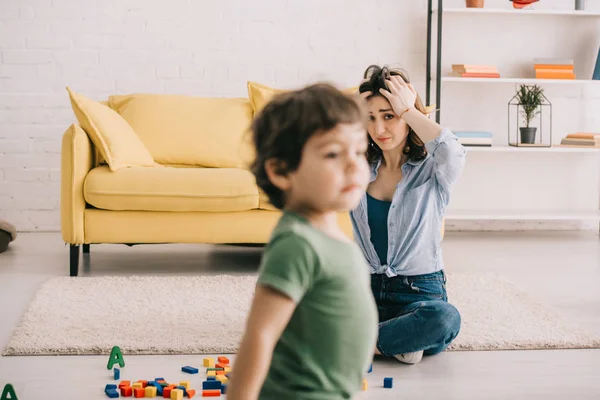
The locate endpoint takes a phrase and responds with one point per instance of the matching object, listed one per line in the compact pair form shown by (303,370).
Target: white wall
(102,47)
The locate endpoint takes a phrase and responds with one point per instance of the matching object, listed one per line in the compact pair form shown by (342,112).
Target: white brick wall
(102,47)
(195,47)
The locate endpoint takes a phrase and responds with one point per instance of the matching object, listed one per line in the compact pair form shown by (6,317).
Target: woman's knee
(446,319)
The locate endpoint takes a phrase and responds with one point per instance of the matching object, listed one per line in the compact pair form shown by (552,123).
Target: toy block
(189,370)
(211,373)
(185,384)
(215,369)
(112,394)
(191,393)
(183,389)
(227,370)
(221,365)
(220,373)
(144,383)
(210,385)
(370,369)
(223,359)
(137,385)
(8,390)
(124,384)
(115,357)
(139,393)
(163,384)
(388,383)
(159,379)
(211,393)
(176,394)
(159,389)
(224,389)
(126,391)
(365,384)
(150,391)
(110,386)
(117,374)
(222,378)
(209,362)
(167,392)
(211,378)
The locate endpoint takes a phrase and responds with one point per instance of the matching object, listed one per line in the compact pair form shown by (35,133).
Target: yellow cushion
(207,132)
(116,141)
(172,189)
(260,94)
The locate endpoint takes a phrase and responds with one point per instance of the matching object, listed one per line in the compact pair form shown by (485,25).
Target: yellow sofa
(195,188)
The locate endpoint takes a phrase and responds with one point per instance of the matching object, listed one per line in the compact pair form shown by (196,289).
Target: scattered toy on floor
(370,369)
(115,357)
(388,383)
(117,374)
(189,370)
(8,393)
(365,384)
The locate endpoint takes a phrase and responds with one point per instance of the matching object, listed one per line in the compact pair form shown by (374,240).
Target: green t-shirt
(329,342)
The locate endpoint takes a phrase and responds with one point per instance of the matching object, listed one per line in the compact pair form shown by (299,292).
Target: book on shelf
(582,139)
(554,68)
(474,138)
(475,71)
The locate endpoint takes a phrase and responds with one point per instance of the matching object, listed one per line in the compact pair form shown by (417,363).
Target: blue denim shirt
(417,210)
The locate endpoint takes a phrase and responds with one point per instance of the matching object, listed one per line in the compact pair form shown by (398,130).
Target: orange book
(463,67)
(554,66)
(554,75)
(583,135)
(480,75)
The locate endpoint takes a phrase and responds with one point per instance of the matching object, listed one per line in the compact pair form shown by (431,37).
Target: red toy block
(191,393)
(221,365)
(139,393)
(167,391)
(124,384)
(126,391)
(220,372)
(144,383)
(223,360)
(211,393)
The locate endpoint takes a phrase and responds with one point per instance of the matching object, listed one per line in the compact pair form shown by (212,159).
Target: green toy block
(9,393)
(115,357)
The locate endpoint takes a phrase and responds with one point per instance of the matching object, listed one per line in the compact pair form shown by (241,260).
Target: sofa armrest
(77,158)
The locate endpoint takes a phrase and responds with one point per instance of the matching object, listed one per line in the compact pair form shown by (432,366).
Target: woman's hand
(402,96)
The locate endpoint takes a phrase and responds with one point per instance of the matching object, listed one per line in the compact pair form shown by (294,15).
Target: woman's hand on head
(402,96)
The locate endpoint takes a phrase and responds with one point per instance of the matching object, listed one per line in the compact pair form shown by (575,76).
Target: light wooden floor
(562,269)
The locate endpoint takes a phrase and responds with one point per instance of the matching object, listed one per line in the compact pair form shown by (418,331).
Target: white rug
(194,315)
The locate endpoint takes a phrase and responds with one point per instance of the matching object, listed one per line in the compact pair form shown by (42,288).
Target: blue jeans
(414,314)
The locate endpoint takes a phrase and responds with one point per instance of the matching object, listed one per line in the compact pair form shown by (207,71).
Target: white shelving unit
(557,183)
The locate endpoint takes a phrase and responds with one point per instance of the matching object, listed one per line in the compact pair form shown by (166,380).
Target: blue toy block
(211,378)
(117,374)
(388,383)
(159,379)
(211,385)
(224,389)
(189,370)
(111,391)
(370,369)
(159,388)
(110,386)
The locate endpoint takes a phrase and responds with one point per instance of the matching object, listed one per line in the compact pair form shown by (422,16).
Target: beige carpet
(193,315)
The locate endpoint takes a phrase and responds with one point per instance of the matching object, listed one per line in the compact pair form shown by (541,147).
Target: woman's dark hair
(282,128)
(375,79)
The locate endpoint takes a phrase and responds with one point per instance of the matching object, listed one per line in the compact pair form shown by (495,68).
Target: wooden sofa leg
(74,260)
(86,249)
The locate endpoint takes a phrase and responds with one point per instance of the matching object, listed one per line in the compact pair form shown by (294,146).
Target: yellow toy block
(209,362)
(137,385)
(177,394)
(227,370)
(211,373)
(365,384)
(150,391)
(222,378)
(185,384)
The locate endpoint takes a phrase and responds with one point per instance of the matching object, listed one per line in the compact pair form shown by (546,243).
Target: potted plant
(530,99)
(475,3)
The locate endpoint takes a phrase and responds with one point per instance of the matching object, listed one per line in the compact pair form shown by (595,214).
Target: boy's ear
(277,173)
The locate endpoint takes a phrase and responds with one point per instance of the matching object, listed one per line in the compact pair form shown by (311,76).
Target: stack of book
(474,138)
(553,68)
(475,71)
(582,139)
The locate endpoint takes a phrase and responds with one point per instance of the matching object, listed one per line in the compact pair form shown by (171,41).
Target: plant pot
(528,135)
(475,3)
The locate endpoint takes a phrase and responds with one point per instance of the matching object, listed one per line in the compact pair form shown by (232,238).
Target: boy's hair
(285,124)
(377,79)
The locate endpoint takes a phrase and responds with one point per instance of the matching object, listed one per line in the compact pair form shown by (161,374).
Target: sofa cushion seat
(171,189)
